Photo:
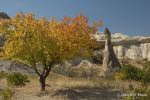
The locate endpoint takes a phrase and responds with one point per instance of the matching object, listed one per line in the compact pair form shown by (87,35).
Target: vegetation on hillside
(134,74)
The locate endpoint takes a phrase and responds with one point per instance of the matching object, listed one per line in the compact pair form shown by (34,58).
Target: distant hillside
(4,16)
(122,39)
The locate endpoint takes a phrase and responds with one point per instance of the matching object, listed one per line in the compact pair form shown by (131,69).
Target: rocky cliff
(136,52)
(133,47)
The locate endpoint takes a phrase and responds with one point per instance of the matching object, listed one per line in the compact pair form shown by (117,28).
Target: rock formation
(135,52)
(11,66)
(4,16)
(110,61)
(133,47)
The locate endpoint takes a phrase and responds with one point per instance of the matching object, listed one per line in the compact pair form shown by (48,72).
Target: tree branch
(49,67)
(34,65)
(44,63)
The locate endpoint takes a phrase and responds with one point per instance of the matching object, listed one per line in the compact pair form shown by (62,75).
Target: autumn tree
(46,43)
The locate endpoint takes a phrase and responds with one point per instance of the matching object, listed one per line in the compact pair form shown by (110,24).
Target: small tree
(42,43)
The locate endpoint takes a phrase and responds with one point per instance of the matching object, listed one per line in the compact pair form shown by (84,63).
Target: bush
(146,75)
(2,74)
(132,73)
(17,79)
(119,75)
(140,94)
(129,72)
(6,94)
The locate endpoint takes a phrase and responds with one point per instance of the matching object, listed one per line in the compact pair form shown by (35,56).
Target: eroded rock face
(135,52)
(145,49)
(110,61)
(119,51)
(133,47)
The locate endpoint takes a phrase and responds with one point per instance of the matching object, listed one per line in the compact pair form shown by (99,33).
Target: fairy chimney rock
(110,61)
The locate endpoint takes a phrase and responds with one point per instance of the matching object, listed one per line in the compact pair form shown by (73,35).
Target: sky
(131,17)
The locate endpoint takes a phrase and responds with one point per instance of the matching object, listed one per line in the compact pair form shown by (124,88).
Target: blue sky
(131,17)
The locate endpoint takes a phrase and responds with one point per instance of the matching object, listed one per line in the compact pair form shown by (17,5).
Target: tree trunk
(44,74)
(42,83)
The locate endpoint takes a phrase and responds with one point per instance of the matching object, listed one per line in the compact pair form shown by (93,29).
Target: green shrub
(6,94)
(3,74)
(17,79)
(119,75)
(129,72)
(146,75)
(141,93)
(132,72)
(146,63)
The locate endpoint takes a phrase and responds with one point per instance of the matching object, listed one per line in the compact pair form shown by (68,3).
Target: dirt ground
(63,89)
(73,94)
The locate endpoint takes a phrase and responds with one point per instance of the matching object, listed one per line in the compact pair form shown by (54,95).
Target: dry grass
(60,87)
(66,82)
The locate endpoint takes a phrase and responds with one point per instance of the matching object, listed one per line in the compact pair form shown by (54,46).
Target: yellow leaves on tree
(47,42)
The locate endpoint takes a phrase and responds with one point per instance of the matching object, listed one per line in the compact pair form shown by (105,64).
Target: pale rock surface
(110,61)
(87,64)
(133,47)
(10,66)
(135,52)
(145,48)
(119,35)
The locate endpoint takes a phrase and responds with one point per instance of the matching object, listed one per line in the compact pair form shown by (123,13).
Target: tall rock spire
(110,61)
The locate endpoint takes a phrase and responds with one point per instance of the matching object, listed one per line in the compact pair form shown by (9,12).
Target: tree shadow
(90,94)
